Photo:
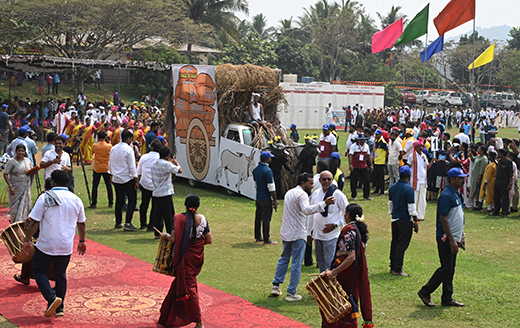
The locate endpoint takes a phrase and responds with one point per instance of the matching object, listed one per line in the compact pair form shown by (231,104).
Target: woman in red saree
(352,276)
(181,305)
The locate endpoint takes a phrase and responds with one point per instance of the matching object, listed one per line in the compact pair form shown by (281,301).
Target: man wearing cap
(450,236)
(328,144)
(418,162)
(22,132)
(359,156)
(32,149)
(407,144)
(401,204)
(380,158)
(265,199)
(324,227)
(294,133)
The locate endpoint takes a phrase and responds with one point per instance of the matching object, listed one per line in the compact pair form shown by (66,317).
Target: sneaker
(59,313)
(118,226)
(52,306)
(293,297)
(129,227)
(270,242)
(276,291)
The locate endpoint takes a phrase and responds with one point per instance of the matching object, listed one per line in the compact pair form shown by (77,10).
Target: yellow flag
(485,57)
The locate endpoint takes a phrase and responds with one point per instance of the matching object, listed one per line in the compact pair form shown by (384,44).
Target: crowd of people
(127,145)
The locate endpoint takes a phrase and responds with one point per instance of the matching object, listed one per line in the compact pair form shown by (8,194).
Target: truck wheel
(425,103)
(197,149)
(446,104)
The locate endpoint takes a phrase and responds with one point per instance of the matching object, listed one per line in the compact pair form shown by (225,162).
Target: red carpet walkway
(107,288)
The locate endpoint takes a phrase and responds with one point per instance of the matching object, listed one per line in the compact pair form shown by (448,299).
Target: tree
(509,68)
(220,15)
(98,30)
(392,17)
(286,29)
(294,59)
(514,42)
(371,68)
(159,80)
(250,50)
(258,24)
(462,56)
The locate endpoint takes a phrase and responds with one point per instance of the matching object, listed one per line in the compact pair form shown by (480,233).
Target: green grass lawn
(487,275)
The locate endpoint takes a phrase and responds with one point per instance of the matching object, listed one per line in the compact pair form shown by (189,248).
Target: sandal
(18,278)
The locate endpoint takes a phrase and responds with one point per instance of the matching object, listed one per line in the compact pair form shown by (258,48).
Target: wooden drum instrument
(331,298)
(164,260)
(13,237)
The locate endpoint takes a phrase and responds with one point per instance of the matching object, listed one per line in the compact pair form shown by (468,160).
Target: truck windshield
(248,136)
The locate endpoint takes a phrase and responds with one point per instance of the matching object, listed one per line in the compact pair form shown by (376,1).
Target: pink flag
(386,38)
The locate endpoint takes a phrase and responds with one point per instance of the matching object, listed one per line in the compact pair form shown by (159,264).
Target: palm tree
(286,29)
(219,14)
(258,24)
(392,17)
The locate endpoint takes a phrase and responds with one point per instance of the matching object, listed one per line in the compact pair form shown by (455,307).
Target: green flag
(416,28)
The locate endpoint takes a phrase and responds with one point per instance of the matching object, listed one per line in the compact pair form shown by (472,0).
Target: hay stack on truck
(208,129)
(306,102)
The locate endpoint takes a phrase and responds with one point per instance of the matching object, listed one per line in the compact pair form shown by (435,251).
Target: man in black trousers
(401,203)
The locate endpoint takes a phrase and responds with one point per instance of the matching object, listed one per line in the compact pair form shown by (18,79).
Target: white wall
(307,102)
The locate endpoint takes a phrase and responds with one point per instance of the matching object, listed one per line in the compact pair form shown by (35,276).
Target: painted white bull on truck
(236,163)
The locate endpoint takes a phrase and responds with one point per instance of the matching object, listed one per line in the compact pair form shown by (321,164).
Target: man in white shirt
(144,172)
(395,153)
(324,227)
(418,162)
(124,178)
(328,114)
(162,201)
(56,159)
(57,213)
(294,234)
(462,136)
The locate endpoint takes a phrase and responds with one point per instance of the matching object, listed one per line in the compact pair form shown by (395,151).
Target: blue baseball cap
(442,120)
(24,129)
(332,126)
(292,126)
(161,138)
(456,172)
(4,106)
(266,154)
(325,126)
(64,136)
(335,155)
(405,170)
(379,131)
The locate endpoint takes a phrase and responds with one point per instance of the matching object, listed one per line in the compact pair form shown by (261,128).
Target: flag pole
(472,76)
(424,68)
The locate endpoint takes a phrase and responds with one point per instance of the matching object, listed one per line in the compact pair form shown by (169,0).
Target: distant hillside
(495,32)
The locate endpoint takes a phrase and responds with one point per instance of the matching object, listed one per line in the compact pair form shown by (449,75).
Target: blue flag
(435,47)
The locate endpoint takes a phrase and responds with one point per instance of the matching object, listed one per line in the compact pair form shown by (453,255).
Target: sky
(488,12)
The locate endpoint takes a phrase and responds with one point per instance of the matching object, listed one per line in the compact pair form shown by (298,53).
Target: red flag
(386,38)
(456,13)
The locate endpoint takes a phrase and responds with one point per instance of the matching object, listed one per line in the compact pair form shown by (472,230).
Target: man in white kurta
(324,227)
(418,162)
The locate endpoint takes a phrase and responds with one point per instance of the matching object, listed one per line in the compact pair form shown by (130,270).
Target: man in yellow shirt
(380,158)
(101,152)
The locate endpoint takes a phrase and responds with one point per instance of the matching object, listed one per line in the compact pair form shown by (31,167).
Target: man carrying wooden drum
(57,213)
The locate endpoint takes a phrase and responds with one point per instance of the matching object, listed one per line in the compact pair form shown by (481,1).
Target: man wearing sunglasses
(324,227)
